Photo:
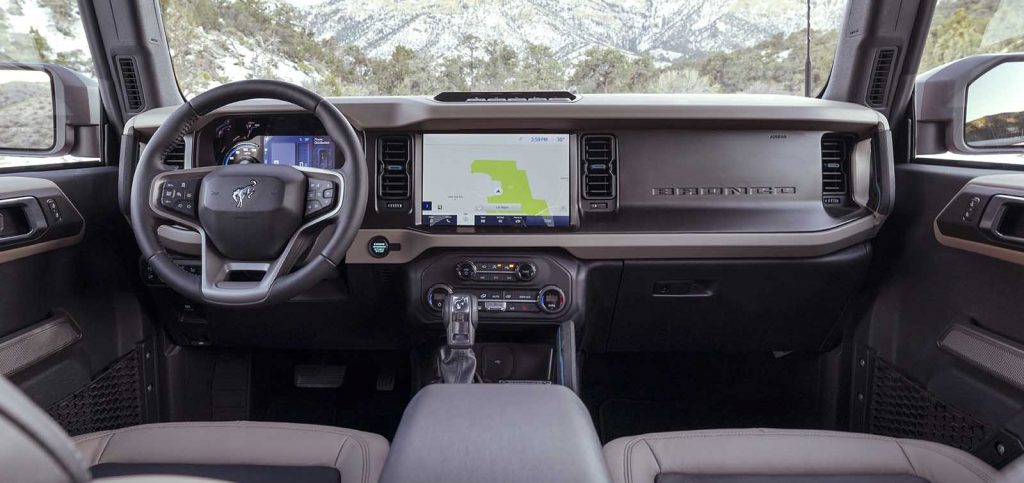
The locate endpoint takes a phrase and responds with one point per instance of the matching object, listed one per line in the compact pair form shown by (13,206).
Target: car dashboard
(668,203)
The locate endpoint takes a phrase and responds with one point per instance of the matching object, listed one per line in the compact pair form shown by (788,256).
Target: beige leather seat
(788,456)
(35,449)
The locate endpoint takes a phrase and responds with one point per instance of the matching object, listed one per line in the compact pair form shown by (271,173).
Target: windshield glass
(422,47)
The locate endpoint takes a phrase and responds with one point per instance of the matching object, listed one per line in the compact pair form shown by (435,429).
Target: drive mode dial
(436,295)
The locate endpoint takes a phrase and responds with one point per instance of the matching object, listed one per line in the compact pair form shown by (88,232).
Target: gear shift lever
(458,361)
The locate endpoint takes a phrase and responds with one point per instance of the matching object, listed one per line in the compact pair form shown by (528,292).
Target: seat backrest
(33,448)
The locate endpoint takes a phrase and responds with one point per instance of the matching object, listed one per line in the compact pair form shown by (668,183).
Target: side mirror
(972,106)
(994,111)
(47,110)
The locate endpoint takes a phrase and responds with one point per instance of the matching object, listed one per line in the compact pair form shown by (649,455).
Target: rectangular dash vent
(835,163)
(598,166)
(132,85)
(176,156)
(881,74)
(394,158)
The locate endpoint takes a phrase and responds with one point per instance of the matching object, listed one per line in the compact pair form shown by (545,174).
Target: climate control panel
(495,271)
(507,286)
(550,299)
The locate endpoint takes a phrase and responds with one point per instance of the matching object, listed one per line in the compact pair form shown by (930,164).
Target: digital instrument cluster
(283,140)
(302,151)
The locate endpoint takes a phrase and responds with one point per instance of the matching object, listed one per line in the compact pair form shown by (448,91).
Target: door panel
(926,288)
(91,281)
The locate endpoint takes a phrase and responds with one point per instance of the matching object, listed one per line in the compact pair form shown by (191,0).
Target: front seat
(33,448)
(788,456)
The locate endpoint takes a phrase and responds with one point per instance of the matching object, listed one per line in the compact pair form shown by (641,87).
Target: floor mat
(631,394)
(357,404)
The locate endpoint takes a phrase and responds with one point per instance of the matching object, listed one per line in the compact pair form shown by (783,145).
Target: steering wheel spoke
(175,195)
(232,281)
(324,193)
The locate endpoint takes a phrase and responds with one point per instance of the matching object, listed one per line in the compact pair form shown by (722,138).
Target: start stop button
(379,247)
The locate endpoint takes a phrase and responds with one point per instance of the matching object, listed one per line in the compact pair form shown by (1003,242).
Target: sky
(997,91)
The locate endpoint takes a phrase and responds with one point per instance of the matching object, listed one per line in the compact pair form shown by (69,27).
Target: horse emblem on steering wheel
(244,193)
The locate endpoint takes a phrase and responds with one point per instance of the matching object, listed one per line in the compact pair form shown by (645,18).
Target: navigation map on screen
(496,180)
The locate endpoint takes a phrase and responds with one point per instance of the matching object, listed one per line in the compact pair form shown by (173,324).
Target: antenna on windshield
(807,60)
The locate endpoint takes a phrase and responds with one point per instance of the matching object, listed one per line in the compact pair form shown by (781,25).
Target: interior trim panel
(36,217)
(985,217)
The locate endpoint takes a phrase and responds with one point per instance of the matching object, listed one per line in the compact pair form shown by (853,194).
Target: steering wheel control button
(319,196)
(379,247)
(180,196)
(551,299)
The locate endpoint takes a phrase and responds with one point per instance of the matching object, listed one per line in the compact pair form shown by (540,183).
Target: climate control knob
(551,299)
(526,271)
(465,269)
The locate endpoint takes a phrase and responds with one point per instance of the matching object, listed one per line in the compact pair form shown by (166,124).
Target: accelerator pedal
(386,378)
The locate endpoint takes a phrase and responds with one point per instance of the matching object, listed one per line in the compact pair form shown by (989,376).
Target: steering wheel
(291,224)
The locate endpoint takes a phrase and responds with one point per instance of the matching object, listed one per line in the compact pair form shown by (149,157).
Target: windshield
(422,47)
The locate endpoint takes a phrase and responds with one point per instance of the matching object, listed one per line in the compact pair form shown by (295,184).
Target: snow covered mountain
(665,29)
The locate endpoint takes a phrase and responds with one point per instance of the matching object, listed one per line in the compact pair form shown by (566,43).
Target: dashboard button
(379,247)
(525,296)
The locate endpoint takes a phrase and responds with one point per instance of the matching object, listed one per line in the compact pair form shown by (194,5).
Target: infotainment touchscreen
(518,180)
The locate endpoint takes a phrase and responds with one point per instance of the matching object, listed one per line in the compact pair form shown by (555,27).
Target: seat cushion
(296,452)
(787,456)
(232,473)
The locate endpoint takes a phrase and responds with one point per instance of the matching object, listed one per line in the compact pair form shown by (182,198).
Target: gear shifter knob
(457,361)
(460,317)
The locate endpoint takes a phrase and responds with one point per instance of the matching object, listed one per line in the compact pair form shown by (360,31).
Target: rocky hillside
(667,30)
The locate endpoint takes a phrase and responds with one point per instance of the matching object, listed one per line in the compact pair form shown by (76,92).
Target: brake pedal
(386,379)
(311,376)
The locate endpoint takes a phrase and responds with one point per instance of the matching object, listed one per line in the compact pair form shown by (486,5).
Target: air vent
(394,158)
(881,73)
(133,99)
(835,163)
(499,97)
(176,156)
(598,166)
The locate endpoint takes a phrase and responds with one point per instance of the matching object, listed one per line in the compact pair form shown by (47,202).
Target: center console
(526,307)
(495,432)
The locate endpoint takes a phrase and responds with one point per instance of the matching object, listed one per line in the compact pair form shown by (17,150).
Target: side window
(967,105)
(49,102)
(966,27)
